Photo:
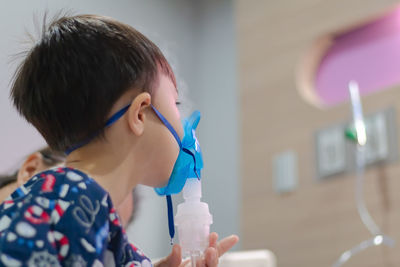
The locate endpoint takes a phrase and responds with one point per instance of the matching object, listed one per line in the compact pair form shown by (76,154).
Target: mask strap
(171,226)
(109,122)
(168,125)
(116,116)
(194,160)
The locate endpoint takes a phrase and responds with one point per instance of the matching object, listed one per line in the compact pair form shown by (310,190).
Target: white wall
(215,92)
(198,38)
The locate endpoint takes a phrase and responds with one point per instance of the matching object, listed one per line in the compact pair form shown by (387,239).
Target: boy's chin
(163,184)
(157,184)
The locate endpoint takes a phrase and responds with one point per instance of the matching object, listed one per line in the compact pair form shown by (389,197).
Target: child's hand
(211,254)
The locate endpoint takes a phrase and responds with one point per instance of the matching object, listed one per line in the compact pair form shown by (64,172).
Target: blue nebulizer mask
(189,162)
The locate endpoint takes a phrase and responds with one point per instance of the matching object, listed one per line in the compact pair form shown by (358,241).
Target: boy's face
(163,148)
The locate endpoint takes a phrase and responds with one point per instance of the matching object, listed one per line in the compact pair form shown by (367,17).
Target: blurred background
(270,78)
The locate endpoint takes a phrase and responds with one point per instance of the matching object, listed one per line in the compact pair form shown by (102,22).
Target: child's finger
(212,240)
(173,260)
(211,257)
(226,244)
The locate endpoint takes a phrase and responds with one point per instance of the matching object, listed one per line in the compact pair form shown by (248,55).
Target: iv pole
(378,237)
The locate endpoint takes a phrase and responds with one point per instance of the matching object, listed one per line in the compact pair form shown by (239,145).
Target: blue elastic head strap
(109,122)
(168,125)
(116,117)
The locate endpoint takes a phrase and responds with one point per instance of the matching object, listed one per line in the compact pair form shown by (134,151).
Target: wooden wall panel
(315,224)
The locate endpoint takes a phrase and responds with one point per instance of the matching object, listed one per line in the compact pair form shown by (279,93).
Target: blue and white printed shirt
(62,217)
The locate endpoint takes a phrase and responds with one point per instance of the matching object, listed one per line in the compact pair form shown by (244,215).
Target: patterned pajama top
(62,217)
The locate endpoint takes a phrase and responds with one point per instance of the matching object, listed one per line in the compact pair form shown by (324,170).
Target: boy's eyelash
(178,103)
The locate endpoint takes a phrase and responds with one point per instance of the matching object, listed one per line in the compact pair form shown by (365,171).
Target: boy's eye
(177,103)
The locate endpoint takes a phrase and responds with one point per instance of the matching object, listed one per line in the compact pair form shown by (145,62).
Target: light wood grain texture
(314,225)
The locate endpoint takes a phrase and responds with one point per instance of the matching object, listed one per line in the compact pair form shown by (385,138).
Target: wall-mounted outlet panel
(335,154)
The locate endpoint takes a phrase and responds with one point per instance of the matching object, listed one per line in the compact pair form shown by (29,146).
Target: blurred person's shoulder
(61,183)
(55,194)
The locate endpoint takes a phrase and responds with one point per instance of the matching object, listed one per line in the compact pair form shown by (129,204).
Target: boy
(94,87)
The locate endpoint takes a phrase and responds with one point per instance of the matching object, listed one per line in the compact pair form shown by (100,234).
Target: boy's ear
(32,165)
(137,113)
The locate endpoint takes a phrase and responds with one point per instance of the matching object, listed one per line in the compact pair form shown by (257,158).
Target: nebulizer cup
(193,220)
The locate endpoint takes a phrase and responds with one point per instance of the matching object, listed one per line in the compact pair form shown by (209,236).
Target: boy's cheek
(180,131)
(163,170)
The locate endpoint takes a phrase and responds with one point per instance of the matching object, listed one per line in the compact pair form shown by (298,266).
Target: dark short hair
(80,67)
